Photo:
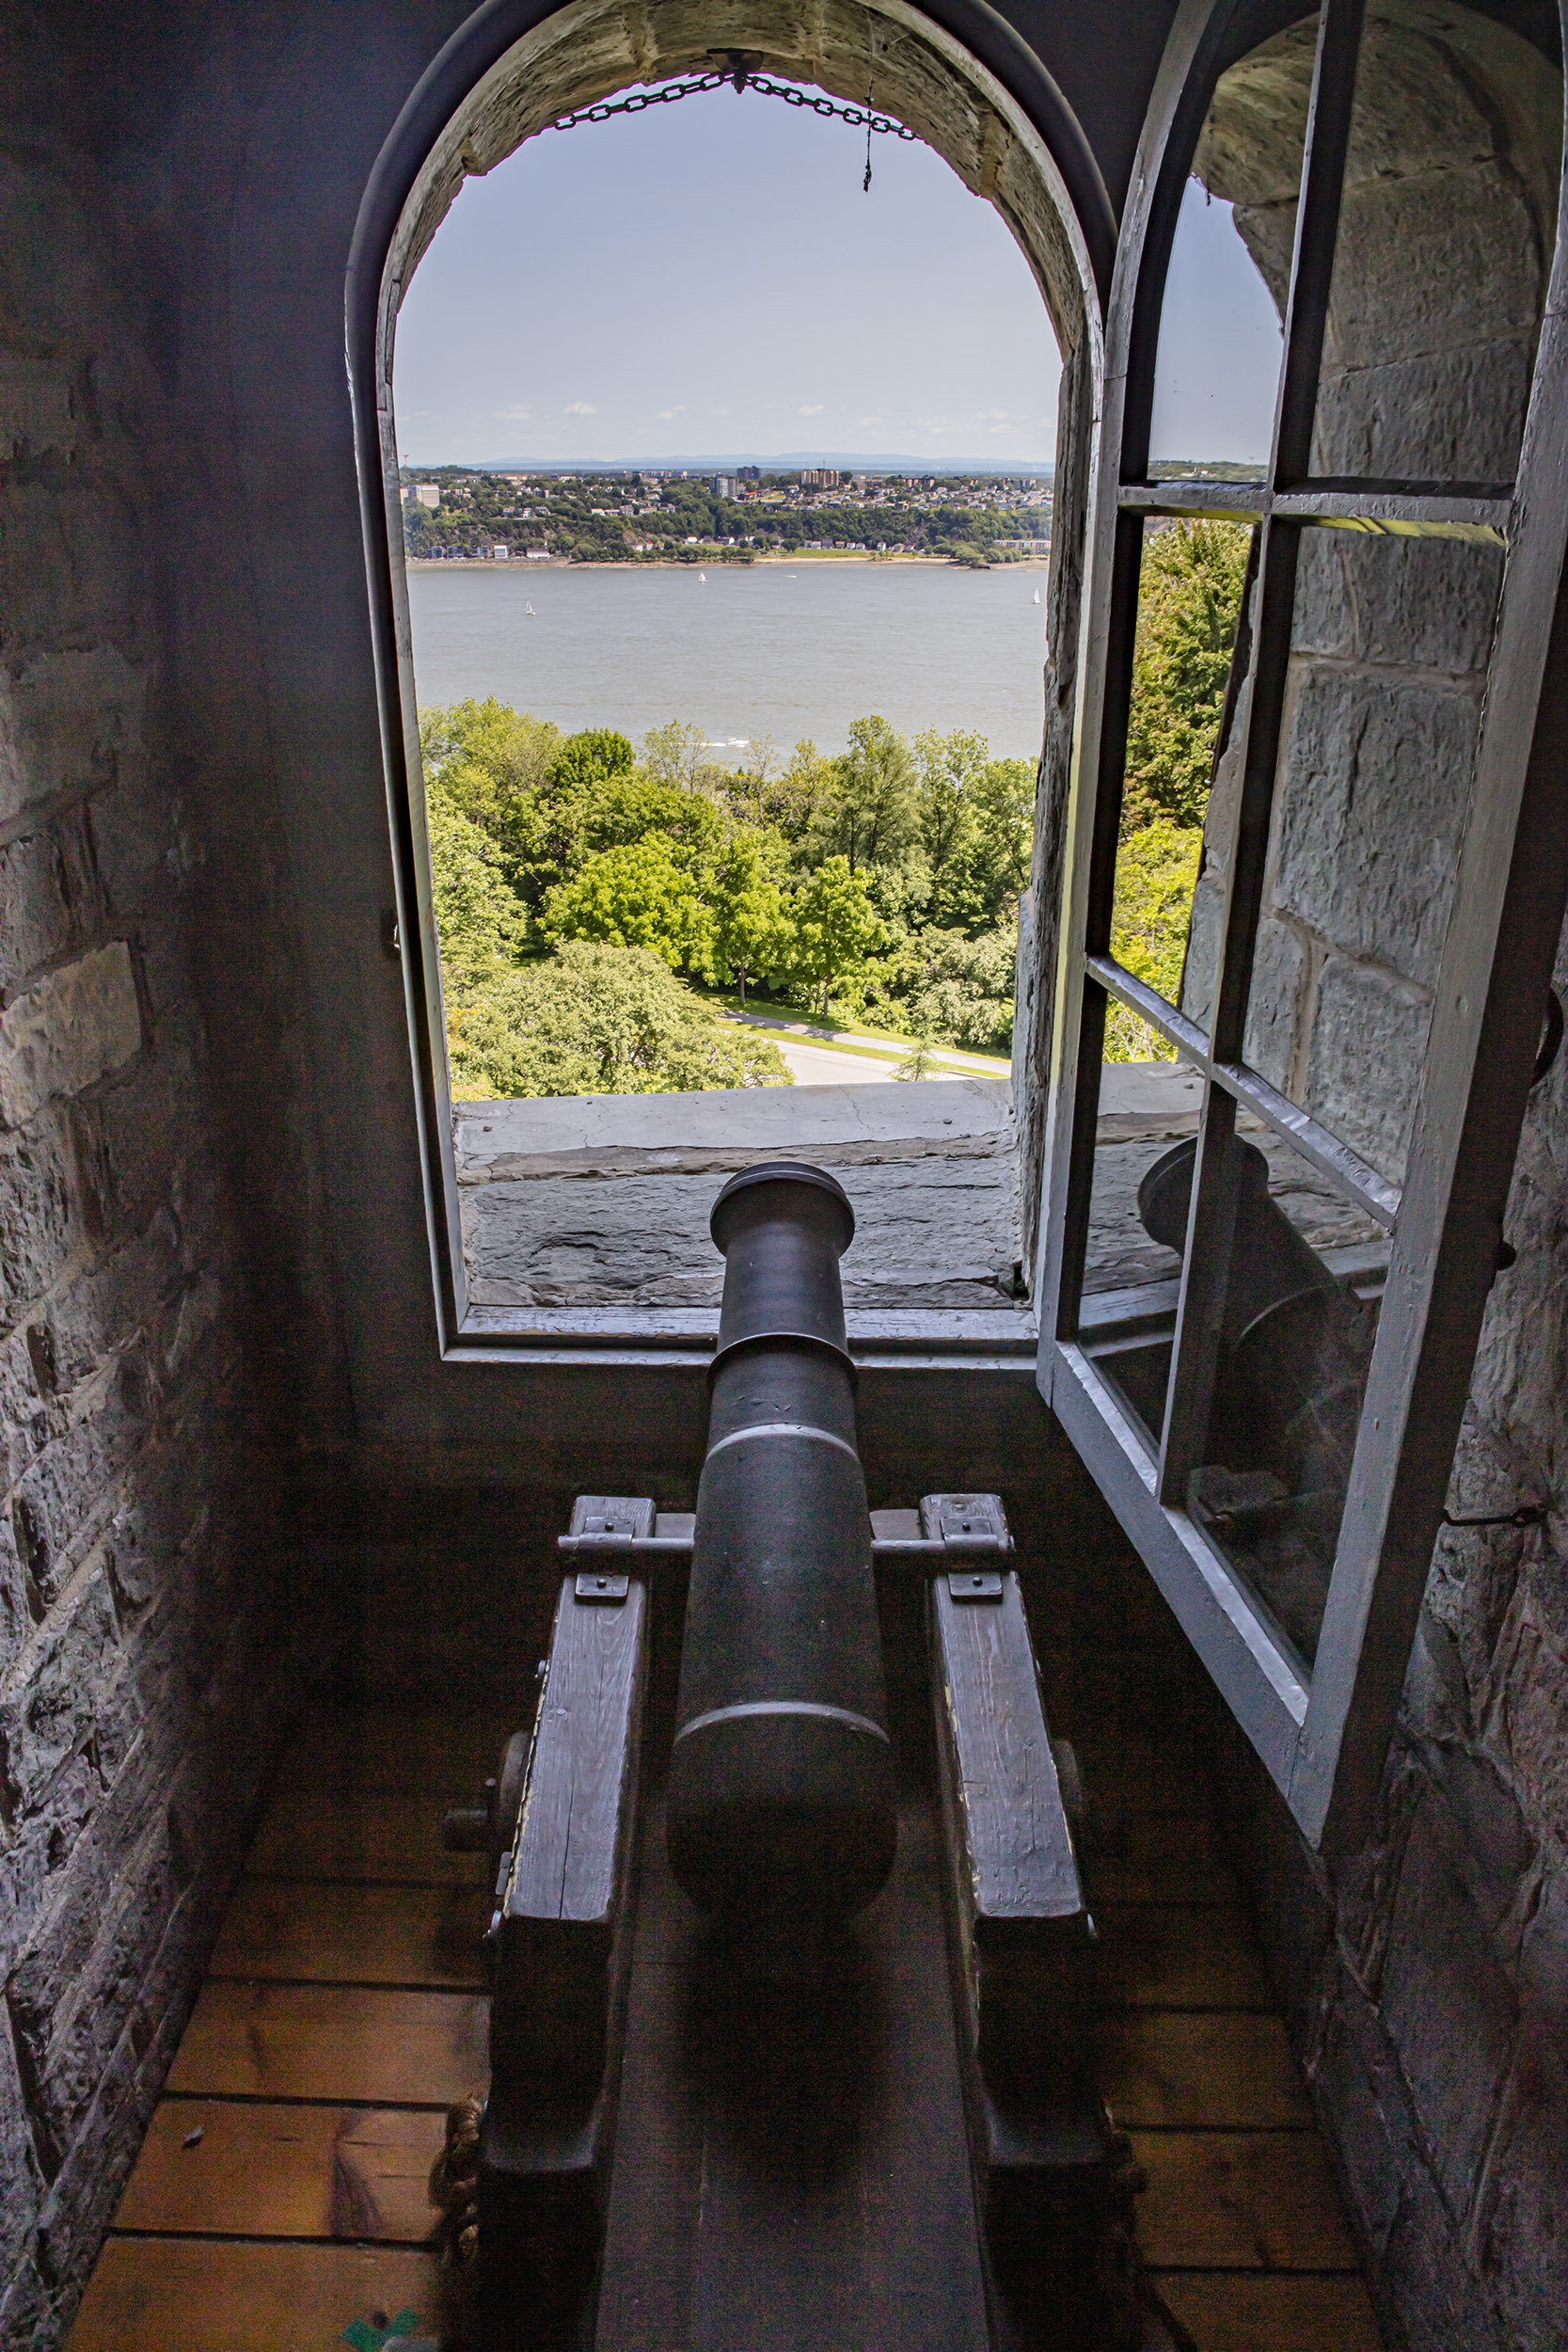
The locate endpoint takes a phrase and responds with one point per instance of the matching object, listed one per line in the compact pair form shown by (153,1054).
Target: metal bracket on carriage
(956,1533)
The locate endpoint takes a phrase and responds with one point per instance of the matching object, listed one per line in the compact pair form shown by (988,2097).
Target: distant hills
(781,461)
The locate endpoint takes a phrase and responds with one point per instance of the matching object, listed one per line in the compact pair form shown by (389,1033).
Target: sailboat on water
(531,615)
(1037,600)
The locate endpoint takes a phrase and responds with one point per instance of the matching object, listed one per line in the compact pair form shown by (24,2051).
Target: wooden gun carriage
(792,1966)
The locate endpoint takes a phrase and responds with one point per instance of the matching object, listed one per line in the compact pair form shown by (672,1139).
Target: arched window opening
(690,781)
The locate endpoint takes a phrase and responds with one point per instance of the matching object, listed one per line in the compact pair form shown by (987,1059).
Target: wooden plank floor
(280,2198)
(1241,2223)
(280,2194)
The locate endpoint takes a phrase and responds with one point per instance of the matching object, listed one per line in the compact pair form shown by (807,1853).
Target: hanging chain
(740,78)
(870,92)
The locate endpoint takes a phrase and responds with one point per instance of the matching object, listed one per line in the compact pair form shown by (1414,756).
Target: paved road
(814,1066)
(817,1063)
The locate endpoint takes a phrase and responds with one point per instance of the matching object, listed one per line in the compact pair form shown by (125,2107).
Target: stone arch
(921,74)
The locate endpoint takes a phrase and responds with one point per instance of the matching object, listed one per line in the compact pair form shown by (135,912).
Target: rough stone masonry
(135,1672)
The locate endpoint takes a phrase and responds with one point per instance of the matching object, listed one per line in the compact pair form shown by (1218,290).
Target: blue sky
(1220,344)
(708,277)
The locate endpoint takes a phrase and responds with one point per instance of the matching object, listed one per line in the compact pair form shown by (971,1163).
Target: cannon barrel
(781,1801)
(1293,1346)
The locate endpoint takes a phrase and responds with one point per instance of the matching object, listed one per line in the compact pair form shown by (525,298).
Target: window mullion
(1120,639)
(1270,655)
(1328,123)
(1080,1185)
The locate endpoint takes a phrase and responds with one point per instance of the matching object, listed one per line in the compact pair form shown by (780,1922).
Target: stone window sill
(585,1220)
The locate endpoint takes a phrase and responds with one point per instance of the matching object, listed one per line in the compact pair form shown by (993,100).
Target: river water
(748,651)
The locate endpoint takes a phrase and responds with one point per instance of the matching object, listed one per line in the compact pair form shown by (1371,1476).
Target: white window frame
(1323,1731)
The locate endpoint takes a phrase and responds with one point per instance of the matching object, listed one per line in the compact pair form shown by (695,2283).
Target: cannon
(781,1801)
(790,1927)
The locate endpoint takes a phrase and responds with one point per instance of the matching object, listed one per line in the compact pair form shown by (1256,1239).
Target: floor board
(174,2295)
(1180,1956)
(1252,2313)
(319,1831)
(1230,2070)
(333,2041)
(262,2169)
(1240,2201)
(424,1935)
(420,1751)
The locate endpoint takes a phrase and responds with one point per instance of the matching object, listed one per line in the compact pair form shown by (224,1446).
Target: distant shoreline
(675,564)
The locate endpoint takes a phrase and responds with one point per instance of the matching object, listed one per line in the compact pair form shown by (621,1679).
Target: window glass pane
(1305,1272)
(1383,704)
(1446,234)
(1216,374)
(1184,744)
(1131,1276)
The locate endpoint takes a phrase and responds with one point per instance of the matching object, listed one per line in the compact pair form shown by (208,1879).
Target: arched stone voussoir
(917,73)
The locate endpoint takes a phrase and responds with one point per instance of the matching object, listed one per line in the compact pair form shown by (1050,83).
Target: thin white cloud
(579,408)
(719,412)
(665,414)
(519,415)
(814,410)
(872,420)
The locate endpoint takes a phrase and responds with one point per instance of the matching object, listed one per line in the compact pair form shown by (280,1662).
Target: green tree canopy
(593,1019)
(823,872)
(959,989)
(676,754)
(485,757)
(950,770)
(592,756)
(869,816)
(1157,869)
(752,932)
(478,920)
(1005,829)
(1189,600)
(793,802)
(554,835)
(836,926)
(635,896)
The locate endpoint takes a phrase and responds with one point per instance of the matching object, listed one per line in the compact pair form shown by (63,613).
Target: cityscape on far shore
(683,515)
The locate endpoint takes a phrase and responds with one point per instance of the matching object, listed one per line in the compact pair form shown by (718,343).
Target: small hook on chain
(870,87)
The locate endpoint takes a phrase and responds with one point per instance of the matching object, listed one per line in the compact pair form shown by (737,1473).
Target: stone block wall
(1450,184)
(140,1646)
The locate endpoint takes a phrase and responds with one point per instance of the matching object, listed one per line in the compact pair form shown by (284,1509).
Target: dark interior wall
(142,1660)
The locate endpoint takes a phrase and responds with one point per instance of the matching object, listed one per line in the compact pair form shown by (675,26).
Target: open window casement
(1265,1265)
